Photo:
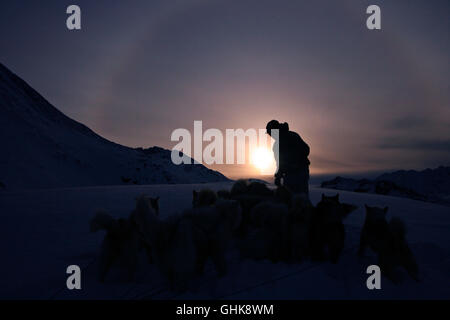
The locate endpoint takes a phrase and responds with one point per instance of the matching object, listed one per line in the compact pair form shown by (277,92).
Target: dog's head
(331,207)
(376,213)
(144,210)
(145,202)
(260,189)
(239,187)
(328,203)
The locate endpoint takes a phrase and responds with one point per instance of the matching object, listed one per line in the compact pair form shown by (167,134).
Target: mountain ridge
(44,148)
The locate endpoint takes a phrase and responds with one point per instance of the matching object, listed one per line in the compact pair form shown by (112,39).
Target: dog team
(259,222)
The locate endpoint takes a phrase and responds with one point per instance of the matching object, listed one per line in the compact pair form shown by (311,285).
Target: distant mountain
(431,185)
(43,148)
(431,182)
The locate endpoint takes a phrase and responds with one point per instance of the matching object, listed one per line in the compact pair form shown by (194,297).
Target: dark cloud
(329,162)
(416,144)
(409,122)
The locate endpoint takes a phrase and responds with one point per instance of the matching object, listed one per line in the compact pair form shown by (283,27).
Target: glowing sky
(363,100)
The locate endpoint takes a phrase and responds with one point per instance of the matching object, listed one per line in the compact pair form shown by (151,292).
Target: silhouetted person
(292,159)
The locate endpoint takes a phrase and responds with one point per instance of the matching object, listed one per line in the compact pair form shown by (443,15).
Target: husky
(259,189)
(182,244)
(213,229)
(204,197)
(327,230)
(271,221)
(256,188)
(120,245)
(240,192)
(251,194)
(282,232)
(239,187)
(388,241)
(154,204)
(301,213)
(171,243)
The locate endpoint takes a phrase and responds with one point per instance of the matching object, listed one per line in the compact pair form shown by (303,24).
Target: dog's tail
(102,221)
(397,227)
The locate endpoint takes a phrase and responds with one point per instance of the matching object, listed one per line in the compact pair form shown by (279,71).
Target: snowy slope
(41,148)
(47,230)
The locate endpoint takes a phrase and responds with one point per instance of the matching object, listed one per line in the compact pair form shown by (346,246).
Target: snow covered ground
(44,231)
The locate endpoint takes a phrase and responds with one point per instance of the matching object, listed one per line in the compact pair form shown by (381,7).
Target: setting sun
(262,158)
